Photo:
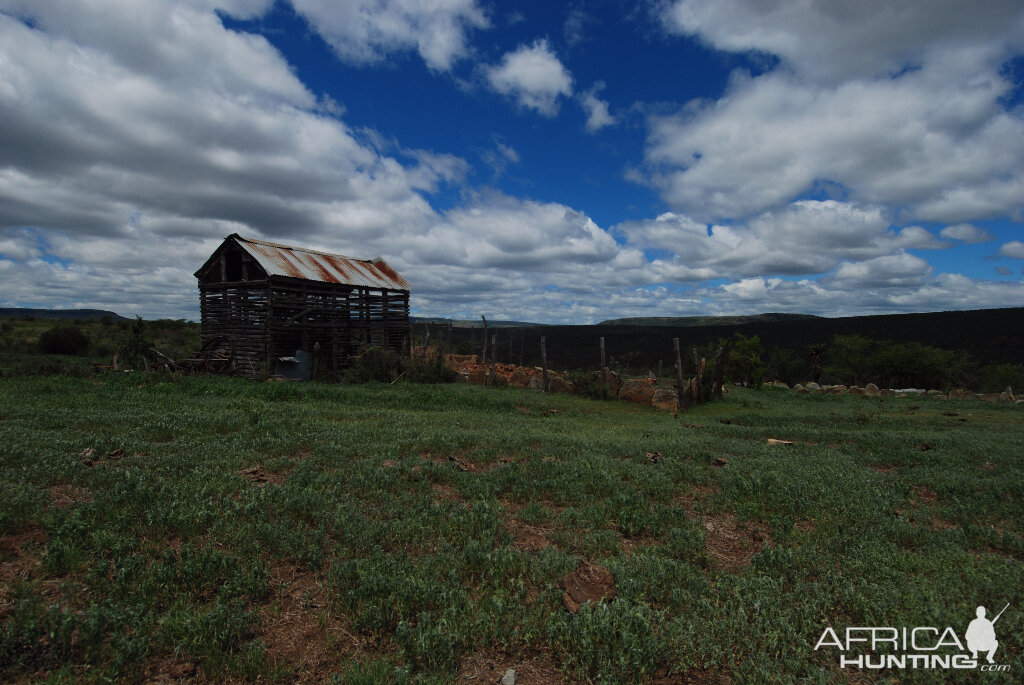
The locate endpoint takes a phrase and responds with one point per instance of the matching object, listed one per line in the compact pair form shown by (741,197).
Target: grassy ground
(219,529)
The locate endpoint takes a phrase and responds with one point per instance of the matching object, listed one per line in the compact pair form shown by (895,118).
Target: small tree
(136,346)
(744,363)
(849,359)
(64,339)
(815,354)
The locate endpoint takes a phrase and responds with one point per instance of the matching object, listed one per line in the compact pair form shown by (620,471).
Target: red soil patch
(805,525)
(445,493)
(490,668)
(696,495)
(257,475)
(588,583)
(161,672)
(731,544)
(300,630)
(20,553)
(467,466)
(64,495)
(695,676)
(924,494)
(943,524)
(527,537)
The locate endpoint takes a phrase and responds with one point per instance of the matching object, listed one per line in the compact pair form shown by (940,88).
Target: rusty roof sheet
(296,262)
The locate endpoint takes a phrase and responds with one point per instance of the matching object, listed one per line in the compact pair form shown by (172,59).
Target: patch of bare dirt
(467,466)
(166,672)
(695,676)
(923,494)
(90,457)
(588,583)
(732,544)
(943,524)
(65,495)
(20,553)
(443,492)
(883,468)
(257,475)
(487,667)
(527,537)
(299,629)
(805,525)
(697,494)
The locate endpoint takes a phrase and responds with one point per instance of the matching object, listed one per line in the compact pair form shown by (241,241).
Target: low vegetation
(158,527)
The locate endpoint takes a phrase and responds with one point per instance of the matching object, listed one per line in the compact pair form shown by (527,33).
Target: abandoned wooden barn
(265,301)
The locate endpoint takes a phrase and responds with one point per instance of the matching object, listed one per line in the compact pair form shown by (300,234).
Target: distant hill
(694,321)
(471,323)
(62,314)
(990,336)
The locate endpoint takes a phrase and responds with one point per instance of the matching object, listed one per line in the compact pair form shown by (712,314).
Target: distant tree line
(859,360)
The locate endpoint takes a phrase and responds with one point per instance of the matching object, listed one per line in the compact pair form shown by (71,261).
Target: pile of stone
(639,390)
(872,390)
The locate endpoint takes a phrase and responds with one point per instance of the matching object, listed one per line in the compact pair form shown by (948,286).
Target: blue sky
(553,162)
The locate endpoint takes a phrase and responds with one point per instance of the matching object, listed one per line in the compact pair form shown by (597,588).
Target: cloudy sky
(540,161)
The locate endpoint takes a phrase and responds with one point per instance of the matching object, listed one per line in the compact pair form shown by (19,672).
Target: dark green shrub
(136,345)
(995,378)
(430,370)
(375,364)
(379,365)
(64,339)
(743,363)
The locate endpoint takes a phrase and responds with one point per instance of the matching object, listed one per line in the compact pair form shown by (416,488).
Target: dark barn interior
(268,300)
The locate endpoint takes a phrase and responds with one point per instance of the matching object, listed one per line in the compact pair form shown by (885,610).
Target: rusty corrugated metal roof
(297,262)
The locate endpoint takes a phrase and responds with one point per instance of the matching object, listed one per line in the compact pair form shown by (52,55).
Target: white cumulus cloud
(595,108)
(532,75)
(966,233)
(370,30)
(1013,249)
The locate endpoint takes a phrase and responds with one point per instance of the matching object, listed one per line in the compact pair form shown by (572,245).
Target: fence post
(698,380)
(718,372)
(544,362)
(604,373)
(679,373)
(494,359)
(483,355)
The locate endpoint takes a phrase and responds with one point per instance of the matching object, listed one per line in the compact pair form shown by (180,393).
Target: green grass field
(214,529)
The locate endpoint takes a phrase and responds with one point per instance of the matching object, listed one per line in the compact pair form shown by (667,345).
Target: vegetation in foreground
(223,529)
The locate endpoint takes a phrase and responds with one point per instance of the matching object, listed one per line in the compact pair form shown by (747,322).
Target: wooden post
(660,368)
(494,359)
(604,373)
(544,362)
(716,374)
(683,403)
(483,355)
(698,379)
